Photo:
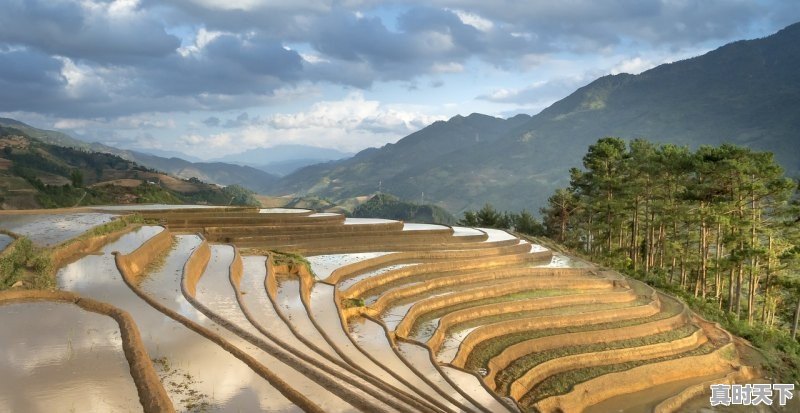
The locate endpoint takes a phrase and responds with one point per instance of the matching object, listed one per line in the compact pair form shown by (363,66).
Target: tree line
(488,217)
(718,224)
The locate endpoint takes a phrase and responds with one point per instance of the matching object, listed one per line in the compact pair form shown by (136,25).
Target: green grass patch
(353,303)
(292,260)
(484,351)
(519,367)
(563,383)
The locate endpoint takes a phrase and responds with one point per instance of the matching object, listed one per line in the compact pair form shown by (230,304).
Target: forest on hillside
(717,226)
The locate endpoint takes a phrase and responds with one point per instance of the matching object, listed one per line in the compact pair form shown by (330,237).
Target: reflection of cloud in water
(220,376)
(50,363)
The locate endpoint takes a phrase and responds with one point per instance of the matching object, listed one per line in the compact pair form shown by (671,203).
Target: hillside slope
(34,174)
(746,92)
(212,172)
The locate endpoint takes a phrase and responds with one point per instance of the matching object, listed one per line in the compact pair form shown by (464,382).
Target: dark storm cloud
(30,81)
(227,65)
(67,29)
(127,57)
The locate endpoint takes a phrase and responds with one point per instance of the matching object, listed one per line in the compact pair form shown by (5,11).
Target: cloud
(538,93)
(90,59)
(211,121)
(352,113)
(104,32)
(633,66)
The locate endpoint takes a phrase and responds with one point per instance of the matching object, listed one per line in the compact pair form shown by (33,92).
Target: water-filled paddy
(289,302)
(50,363)
(410,226)
(4,241)
(367,221)
(563,261)
(371,338)
(324,265)
(420,358)
(220,380)
(472,386)
(496,235)
(150,207)
(345,284)
(283,211)
(466,232)
(215,291)
(48,230)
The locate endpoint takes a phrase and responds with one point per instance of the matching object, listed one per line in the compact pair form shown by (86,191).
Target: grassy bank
(36,266)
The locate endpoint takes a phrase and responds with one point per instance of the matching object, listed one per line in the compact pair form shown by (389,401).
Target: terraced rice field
(290,310)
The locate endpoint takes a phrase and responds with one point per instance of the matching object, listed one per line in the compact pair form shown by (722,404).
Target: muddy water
(371,338)
(419,357)
(472,386)
(324,265)
(50,356)
(48,230)
(214,290)
(4,241)
(223,381)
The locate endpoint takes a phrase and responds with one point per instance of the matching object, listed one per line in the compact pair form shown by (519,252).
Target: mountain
(746,92)
(35,174)
(215,172)
(284,159)
(212,172)
(401,168)
(389,207)
(168,154)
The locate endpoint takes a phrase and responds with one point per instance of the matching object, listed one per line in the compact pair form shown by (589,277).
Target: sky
(213,77)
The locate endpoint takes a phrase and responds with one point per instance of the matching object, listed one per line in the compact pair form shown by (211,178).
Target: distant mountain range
(284,159)
(212,172)
(746,92)
(35,174)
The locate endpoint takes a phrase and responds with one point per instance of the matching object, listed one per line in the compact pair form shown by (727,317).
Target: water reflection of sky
(50,229)
(324,265)
(4,241)
(49,363)
(229,383)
